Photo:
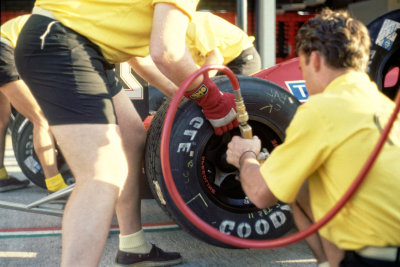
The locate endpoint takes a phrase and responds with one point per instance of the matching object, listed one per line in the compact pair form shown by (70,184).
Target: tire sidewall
(379,56)
(266,103)
(22,138)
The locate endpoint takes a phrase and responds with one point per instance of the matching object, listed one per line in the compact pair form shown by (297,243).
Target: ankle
(134,243)
(4,173)
(55,183)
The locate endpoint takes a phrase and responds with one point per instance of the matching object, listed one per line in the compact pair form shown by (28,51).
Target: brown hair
(343,41)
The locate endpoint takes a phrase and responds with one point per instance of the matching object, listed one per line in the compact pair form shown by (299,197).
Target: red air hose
(236,241)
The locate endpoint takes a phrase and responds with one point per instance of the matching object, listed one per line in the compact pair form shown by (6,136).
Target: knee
(38,120)
(41,127)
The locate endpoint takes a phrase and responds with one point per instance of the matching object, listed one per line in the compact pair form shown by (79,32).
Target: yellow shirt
(11,28)
(121,28)
(328,142)
(207,32)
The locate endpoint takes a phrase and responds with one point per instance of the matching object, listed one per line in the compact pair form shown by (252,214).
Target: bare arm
(145,67)
(214,57)
(168,44)
(252,181)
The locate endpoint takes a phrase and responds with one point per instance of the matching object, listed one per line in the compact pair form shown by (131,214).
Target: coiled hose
(248,243)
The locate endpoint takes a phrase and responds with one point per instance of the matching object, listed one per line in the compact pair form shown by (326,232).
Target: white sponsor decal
(387,34)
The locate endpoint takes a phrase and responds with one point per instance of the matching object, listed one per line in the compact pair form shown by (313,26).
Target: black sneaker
(156,257)
(12,184)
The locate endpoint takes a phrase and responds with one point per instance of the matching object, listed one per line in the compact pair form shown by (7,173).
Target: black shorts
(8,71)
(67,74)
(247,63)
(352,259)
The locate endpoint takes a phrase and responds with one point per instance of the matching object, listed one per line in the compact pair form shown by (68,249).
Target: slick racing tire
(22,142)
(204,179)
(385,51)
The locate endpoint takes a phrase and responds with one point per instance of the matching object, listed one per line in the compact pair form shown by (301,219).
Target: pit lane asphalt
(30,239)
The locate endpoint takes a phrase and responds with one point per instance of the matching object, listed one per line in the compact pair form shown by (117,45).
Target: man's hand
(219,108)
(238,146)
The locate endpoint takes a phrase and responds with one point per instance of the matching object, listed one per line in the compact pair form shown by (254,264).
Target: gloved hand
(219,108)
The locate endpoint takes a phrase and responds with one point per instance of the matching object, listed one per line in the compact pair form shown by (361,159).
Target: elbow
(259,204)
(163,57)
(263,202)
(262,197)
(158,55)
(256,188)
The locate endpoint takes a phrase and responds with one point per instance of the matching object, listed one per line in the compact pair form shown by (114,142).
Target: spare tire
(22,141)
(385,50)
(204,179)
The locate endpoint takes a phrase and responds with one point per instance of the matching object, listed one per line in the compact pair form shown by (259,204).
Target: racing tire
(385,50)
(22,142)
(204,179)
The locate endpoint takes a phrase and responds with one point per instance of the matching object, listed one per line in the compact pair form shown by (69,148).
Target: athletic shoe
(12,184)
(156,257)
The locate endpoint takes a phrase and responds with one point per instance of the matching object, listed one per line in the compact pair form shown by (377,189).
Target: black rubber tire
(18,120)
(22,141)
(222,204)
(381,59)
(12,118)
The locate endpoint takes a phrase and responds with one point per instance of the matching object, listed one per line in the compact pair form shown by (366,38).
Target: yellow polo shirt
(121,28)
(11,28)
(328,141)
(207,32)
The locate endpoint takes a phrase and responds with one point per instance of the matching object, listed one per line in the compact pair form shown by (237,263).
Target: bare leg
(334,254)
(21,98)
(43,143)
(95,155)
(322,249)
(4,120)
(303,217)
(133,138)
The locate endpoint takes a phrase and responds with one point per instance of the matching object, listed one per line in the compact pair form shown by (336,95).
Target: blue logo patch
(298,89)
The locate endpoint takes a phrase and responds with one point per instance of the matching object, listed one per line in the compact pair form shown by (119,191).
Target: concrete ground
(30,239)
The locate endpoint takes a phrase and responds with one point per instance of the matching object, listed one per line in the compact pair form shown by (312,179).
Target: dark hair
(343,41)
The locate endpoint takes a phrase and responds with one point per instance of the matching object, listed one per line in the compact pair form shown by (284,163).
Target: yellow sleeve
(305,148)
(187,6)
(11,28)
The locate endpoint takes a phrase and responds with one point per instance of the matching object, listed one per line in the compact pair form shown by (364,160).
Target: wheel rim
(219,179)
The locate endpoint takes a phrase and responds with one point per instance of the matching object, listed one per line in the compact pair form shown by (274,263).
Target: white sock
(134,243)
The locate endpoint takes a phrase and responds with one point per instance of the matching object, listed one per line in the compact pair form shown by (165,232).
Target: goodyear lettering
(284,207)
(196,123)
(227,227)
(260,227)
(185,147)
(278,218)
(244,230)
(191,133)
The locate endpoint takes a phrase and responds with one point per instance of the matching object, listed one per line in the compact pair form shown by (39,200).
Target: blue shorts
(68,75)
